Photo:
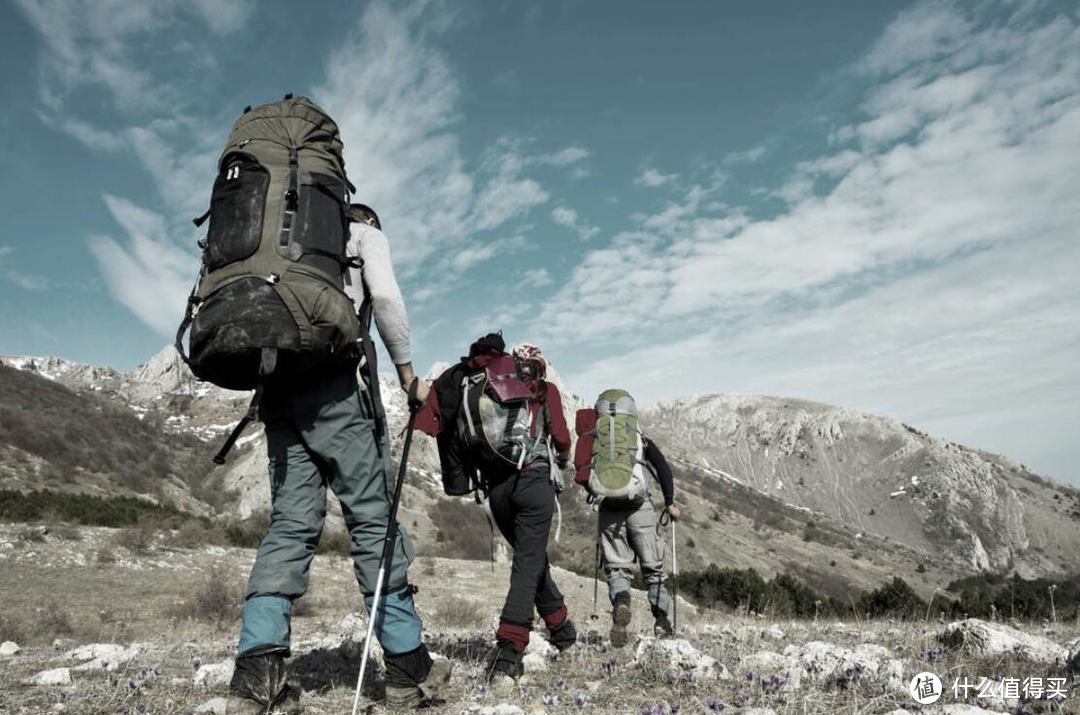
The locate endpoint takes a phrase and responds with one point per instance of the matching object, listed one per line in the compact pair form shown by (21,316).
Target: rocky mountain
(977,510)
(840,498)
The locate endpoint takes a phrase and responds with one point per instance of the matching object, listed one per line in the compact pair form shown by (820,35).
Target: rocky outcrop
(678,657)
(994,639)
(877,475)
(824,663)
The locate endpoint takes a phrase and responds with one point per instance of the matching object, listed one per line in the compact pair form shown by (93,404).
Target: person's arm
(662,470)
(376,273)
(560,433)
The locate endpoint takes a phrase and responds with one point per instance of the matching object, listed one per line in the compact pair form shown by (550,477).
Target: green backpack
(269,298)
(618,468)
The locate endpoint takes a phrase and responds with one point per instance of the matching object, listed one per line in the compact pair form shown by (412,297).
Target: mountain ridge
(771,482)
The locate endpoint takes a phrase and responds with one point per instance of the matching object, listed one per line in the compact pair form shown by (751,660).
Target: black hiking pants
(523,505)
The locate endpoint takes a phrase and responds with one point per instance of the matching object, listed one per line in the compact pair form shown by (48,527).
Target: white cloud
(565,157)
(536,278)
(28,282)
(23,280)
(921,269)
(401,149)
(749,156)
(568,217)
(146,272)
(652,178)
(90,45)
(564,216)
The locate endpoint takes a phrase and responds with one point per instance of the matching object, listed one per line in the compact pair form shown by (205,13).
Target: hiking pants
(522,506)
(321,432)
(626,534)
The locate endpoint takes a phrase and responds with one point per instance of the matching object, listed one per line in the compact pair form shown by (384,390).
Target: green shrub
(895,599)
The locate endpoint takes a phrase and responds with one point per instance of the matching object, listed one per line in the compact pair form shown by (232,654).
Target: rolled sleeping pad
(585,426)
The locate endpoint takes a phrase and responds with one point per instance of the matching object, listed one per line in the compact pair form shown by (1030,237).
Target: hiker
(322,431)
(612,457)
(517,479)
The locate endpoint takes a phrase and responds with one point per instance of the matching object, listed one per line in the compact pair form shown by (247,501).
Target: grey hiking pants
(321,432)
(626,535)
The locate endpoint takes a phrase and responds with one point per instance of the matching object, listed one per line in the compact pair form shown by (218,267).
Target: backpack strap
(267,363)
(367,349)
(190,312)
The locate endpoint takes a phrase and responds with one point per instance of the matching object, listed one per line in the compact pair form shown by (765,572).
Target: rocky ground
(112,621)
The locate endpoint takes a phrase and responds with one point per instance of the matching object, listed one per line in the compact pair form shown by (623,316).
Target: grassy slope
(144,599)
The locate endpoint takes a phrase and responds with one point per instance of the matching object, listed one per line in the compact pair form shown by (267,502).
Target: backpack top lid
(293,122)
(616,400)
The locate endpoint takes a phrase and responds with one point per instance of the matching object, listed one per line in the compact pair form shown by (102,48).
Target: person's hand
(674,512)
(422,390)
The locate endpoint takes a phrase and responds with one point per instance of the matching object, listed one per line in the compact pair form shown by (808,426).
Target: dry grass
(131,601)
(217,601)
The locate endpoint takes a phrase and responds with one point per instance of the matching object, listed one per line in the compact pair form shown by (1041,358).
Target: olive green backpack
(269,297)
(618,471)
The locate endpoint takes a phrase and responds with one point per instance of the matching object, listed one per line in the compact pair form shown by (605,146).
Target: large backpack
(610,452)
(269,297)
(493,419)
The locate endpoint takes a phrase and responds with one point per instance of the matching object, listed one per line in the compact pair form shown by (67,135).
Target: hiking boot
(414,678)
(259,685)
(662,627)
(504,668)
(563,636)
(620,619)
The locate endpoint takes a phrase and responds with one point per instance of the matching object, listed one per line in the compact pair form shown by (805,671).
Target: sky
(871,205)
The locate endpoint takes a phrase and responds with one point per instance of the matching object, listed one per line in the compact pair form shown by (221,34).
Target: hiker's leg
(618,555)
(341,433)
(280,573)
(533,505)
(649,548)
(499,495)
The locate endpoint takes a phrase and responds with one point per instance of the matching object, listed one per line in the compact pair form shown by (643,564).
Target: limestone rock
(990,639)
(102,656)
(217,706)
(214,675)
(58,676)
(678,656)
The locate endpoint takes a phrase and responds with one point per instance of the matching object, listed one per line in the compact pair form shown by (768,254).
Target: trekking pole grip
(414,403)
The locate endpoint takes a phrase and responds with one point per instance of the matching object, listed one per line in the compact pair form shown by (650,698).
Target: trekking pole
(596,575)
(674,583)
(388,545)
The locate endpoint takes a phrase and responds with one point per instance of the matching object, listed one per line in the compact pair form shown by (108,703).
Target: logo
(925,688)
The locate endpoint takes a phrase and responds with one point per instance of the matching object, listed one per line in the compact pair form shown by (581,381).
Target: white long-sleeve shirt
(377,272)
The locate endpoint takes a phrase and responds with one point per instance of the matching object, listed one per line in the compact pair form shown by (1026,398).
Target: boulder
(1072,648)
(214,675)
(217,706)
(58,676)
(9,648)
(824,663)
(102,656)
(678,656)
(500,709)
(980,638)
(534,663)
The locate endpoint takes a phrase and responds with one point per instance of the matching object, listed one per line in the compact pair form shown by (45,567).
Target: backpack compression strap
(189,314)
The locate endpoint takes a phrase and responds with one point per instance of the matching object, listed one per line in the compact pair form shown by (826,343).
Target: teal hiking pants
(321,432)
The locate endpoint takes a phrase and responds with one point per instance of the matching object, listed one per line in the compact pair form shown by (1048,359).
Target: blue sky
(867,204)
